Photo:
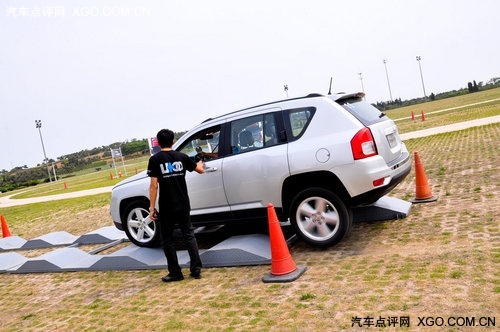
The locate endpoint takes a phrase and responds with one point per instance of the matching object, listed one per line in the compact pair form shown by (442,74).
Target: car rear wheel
(319,217)
(140,229)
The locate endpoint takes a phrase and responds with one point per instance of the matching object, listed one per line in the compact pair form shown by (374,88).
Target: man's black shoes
(169,278)
(196,275)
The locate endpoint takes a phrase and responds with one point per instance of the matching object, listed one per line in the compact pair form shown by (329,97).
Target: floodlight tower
(39,126)
(361,79)
(421,76)
(387,76)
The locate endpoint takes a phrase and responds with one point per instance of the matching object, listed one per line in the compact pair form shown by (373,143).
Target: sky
(106,71)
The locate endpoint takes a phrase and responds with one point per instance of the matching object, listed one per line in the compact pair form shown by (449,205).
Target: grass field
(86,179)
(440,261)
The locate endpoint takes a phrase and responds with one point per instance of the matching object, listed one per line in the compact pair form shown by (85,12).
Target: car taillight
(363,145)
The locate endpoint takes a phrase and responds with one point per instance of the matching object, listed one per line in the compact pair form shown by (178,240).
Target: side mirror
(206,137)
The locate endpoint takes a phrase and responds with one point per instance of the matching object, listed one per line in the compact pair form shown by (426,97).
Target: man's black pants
(166,224)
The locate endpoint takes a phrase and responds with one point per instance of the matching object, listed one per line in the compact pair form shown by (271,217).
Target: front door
(206,191)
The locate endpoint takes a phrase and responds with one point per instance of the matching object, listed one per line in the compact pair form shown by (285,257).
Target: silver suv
(313,158)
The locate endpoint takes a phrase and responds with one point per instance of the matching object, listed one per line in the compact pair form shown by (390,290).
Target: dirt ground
(442,261)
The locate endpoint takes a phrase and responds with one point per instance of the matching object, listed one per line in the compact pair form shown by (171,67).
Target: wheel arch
(126,201)
(299,182)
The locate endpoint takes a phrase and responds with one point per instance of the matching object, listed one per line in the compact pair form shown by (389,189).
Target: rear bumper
(375,194)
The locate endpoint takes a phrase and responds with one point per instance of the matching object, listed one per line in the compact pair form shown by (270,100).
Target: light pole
(421,76)
(39,126)
(387,76)
(361,79)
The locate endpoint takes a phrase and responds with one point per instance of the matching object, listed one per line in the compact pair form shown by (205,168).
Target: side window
(255,132)
(299,119)
(204,143)
(247,134)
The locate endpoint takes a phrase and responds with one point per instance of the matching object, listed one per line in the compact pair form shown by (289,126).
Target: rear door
(257,167)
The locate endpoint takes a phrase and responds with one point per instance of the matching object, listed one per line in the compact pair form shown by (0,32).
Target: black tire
(140,229)
(319,217)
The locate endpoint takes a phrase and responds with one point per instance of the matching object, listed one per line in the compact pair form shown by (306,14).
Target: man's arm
(153,193)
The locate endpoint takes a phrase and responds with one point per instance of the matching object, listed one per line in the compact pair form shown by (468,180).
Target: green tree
(134,147)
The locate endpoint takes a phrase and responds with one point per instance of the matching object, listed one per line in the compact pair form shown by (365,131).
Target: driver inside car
(207,155)
(214,154)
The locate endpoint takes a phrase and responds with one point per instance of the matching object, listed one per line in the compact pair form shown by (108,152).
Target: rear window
(366,113)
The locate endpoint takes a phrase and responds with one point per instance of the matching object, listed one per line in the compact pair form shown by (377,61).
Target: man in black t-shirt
(167,170)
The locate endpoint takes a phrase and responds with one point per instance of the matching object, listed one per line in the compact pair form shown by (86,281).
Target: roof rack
(335,97)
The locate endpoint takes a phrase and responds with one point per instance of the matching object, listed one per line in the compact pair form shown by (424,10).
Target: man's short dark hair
(165,138)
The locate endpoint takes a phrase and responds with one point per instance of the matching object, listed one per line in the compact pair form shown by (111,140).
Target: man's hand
(153,214)
(200,167)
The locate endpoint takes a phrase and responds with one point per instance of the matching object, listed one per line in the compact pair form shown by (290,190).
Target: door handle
(210,169)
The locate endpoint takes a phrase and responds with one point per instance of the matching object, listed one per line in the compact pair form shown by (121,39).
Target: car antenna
(330,89)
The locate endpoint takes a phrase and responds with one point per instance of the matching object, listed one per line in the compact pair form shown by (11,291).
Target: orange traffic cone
(5,228)
(423,193)
(423,116)
(283,268)
(412,115)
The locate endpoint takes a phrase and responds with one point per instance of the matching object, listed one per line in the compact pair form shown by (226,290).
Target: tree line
(22,176)
(471,87)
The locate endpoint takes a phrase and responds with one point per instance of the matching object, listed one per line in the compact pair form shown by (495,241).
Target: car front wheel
(140,229)
(319,217)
